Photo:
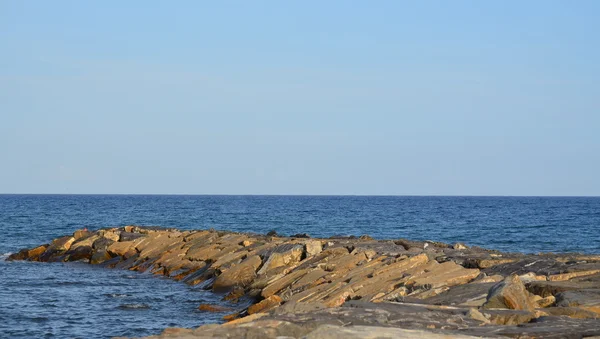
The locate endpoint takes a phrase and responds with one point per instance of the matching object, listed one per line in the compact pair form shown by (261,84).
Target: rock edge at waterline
(354,287)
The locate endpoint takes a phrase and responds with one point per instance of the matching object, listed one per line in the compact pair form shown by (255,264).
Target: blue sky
(305,97)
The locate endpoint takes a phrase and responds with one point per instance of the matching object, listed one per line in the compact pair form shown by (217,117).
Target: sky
(300,97)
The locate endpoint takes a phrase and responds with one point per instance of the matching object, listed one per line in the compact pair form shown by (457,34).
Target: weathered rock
(102,243)
(99,257)
(29,254)
(545,302)
(283,257)
(509,294)
(81,234)
(473,313)
(459,246)
(587,299)
(122,248)
(129,236)
(572,312)
(80,253)
(471,294)
(112,234)
(313,247)
(62,244)
(445,274)
(508,317)
(265,304)
(571,275)
(241,275)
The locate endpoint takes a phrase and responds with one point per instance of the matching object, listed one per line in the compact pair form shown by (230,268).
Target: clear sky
(300,97)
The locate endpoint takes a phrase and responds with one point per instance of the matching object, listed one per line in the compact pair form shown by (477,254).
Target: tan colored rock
(99,257)
(572,312)
(399,267)
(81,234)
(62,244)
(308,280)
(237,321)
(240,275)
(155,244)
(88,241)
(529,277)
(286,258)
(545,302)
(473,313)
(489,279)
(509,317)
(370,254)
(282,283)
(459,246)
(487,263)
(34,253)
(247,243)
(400,292)
(121,248)
(339,297)
(446,274)
(265,304)
(206,253)
(509,294)
(113,235)
(201,238)
(313,247)
(571,275)
(230,258)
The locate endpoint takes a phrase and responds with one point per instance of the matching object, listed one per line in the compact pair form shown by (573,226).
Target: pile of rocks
(354,287)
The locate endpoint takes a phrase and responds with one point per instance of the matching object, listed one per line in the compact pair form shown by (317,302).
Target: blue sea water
(73,300)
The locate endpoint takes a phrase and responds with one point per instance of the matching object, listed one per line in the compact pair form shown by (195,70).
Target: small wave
(134,307)
(117,295)
(5,255)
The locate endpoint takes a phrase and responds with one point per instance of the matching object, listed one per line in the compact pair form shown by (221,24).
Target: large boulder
(29,254)
(509,294)
(99,257)
(588,299)
(240,275)
(63,243)
(79,234)
(78,253)
(285,257)
(313,247)
(123,248)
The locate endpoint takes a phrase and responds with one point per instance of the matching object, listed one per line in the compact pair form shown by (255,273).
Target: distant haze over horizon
(312,98)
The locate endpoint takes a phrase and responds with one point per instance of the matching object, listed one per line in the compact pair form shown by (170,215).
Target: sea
(75,300)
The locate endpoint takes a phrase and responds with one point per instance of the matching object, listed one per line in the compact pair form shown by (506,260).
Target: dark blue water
(76,300)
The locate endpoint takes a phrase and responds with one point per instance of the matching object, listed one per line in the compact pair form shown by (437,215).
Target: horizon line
(308,195)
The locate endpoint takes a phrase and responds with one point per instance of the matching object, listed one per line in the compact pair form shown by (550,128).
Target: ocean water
(73,300)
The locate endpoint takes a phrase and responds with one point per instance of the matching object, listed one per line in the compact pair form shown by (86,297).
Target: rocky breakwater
(354,287)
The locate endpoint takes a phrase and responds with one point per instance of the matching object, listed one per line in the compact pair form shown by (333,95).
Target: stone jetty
(353,287)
